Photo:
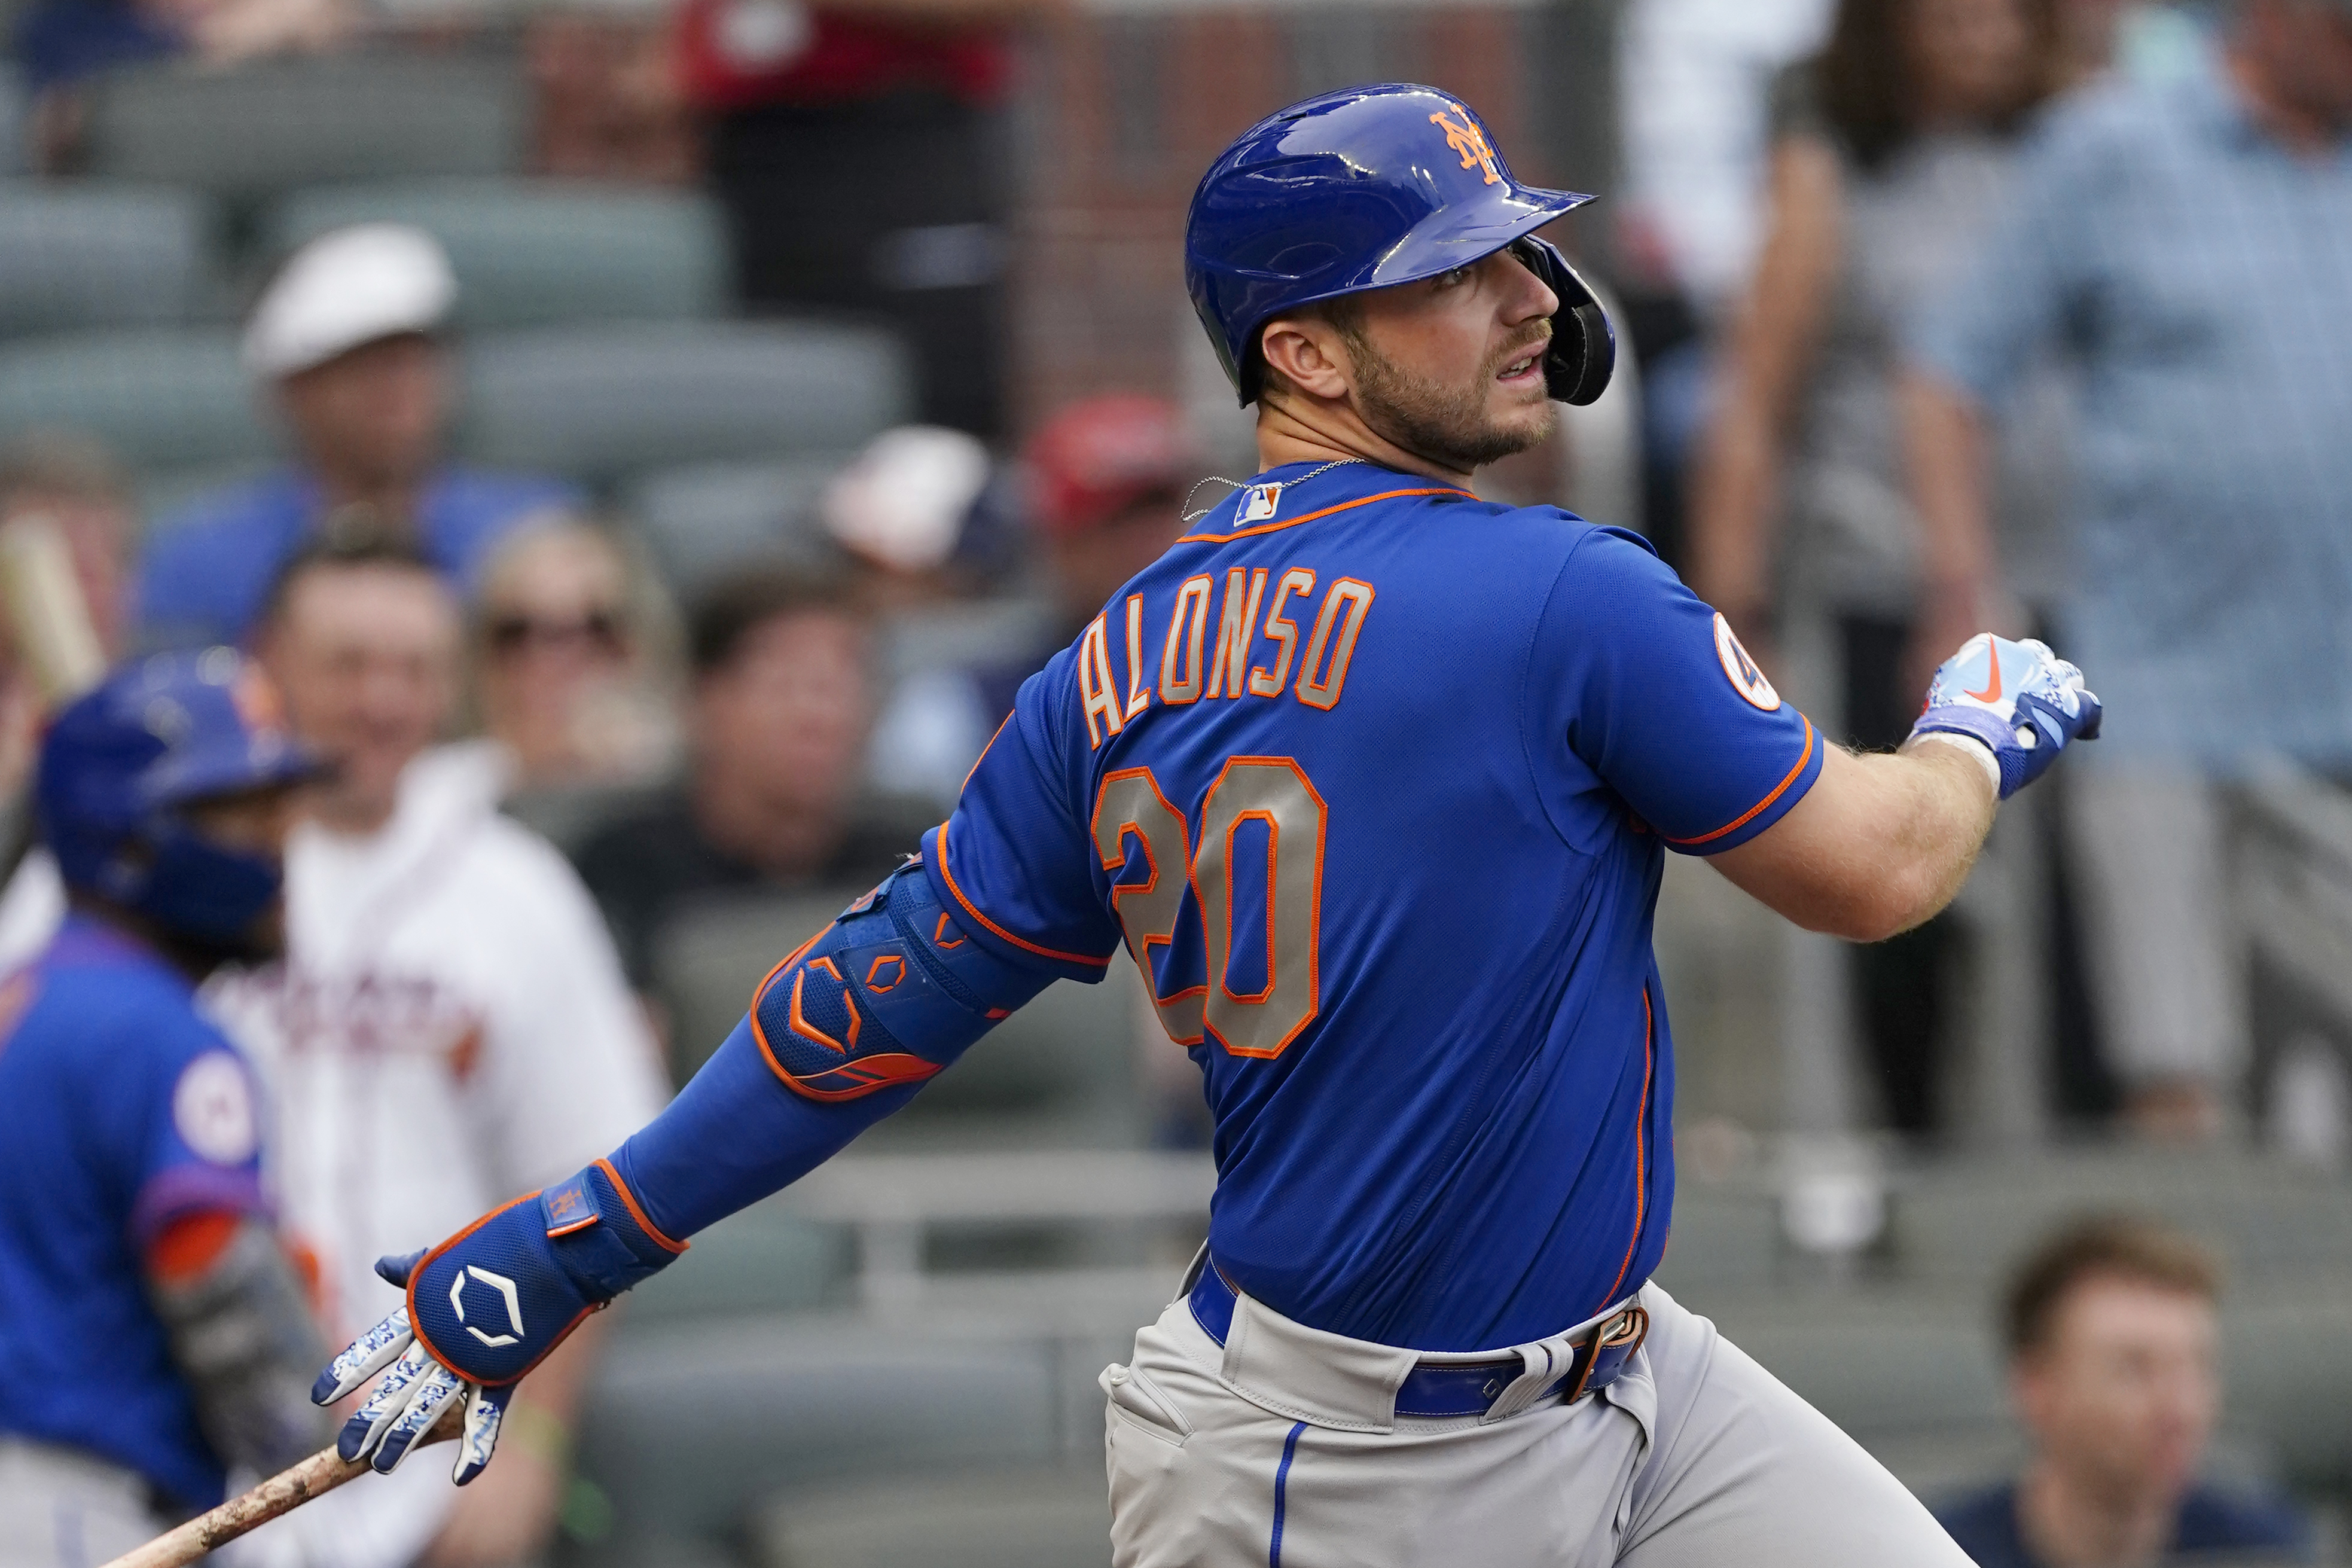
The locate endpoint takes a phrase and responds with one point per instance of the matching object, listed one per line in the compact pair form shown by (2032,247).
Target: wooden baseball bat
(48,619)
(281,1494)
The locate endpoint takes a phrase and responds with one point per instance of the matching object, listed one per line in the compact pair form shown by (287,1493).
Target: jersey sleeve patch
(212,1110)
(1746,677)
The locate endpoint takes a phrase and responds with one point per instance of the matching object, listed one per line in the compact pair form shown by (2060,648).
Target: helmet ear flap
(1583,354)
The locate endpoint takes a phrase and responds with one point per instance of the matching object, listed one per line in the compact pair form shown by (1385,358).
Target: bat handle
(281,1494)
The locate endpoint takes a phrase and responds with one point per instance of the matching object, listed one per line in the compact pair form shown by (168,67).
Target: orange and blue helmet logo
(1466,137)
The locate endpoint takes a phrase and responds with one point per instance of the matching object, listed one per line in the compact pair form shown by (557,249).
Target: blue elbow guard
(890,993)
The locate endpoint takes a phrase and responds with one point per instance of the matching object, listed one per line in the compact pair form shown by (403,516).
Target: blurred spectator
(606,98)
(859,150)
(73,484)
(1891,152)
(450,1028)
(783,703)
(565,674)
(1104,483)
(900,508)
(2112,1336)
(2186,240)
(61,42)
(1693,76)
(348,342)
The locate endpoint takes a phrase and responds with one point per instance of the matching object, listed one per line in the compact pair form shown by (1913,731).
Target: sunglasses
(509,635)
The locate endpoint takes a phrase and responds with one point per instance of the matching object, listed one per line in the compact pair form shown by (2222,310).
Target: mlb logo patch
(1258,502)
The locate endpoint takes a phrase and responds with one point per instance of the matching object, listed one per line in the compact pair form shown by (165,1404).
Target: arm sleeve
(1001,904)
(2030,273)
(1643,687)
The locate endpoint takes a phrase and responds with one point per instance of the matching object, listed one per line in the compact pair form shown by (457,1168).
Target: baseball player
(153,1331)
(1374,779)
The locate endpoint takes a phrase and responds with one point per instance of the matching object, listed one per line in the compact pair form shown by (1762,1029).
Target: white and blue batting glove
(484,1308)
(2019,701)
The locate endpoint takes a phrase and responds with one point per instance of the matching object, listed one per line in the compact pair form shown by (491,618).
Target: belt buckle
(1627,1329)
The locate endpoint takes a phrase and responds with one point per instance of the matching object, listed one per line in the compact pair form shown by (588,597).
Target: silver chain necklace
(1244,484)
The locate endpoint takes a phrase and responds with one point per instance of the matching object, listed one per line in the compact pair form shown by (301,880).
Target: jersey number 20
(1269,790)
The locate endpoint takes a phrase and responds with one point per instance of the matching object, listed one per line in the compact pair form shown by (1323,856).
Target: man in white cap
(347,347)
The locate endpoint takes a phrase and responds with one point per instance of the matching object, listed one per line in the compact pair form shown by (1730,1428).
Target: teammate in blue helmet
(1373,781)
(157,1334)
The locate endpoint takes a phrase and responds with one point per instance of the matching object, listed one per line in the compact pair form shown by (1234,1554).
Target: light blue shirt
(2203,273)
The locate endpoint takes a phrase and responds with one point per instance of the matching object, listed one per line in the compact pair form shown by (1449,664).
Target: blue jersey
(1374,780)
(121,1110)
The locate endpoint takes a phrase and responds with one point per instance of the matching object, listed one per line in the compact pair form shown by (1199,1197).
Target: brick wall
(1119,115)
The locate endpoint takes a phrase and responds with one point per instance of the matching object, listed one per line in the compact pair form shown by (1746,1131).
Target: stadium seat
(158,399)
(1057,1518)
(600,402)
(250,133)
(1972,1219)
(531,252)
(701,519)
(689,1424)
(765,1259)
(91,255)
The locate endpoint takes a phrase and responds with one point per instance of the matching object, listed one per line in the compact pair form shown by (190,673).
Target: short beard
(1448,425)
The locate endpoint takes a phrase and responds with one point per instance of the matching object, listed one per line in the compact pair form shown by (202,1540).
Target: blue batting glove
(484,1308)
(2021,702)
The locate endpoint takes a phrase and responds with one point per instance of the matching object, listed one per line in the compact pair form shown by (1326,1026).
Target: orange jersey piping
(1745,817)
(1327,512)
(970,908)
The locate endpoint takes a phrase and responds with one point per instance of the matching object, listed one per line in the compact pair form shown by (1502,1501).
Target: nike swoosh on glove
(2018,699)
(484,1308)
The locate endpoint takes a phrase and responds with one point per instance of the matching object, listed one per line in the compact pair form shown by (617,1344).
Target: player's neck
(1296,429)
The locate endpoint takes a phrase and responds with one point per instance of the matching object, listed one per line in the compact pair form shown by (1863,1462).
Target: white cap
(346,288)
(902,502)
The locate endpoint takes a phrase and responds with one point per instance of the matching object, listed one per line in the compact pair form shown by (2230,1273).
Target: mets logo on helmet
(1469,140)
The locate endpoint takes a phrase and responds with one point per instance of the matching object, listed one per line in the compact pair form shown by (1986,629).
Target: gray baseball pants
(60,1508)
(1282,1448)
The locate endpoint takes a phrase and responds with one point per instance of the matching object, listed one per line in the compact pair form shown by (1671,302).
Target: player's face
(2124,1396)
(255,823)
(1451,367)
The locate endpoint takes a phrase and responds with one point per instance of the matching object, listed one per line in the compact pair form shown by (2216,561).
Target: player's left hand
(2019,699)
(484,1308)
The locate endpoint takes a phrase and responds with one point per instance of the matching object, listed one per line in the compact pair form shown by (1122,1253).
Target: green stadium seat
(1057,1518)
(91,255)
(701,519)
(159,399)
(688,1426)
(600,403)
(249,134)
(532,252)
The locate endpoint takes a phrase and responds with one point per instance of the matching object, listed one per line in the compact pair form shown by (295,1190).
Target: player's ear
(1306,353)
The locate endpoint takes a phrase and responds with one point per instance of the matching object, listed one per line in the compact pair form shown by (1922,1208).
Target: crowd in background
(2027,315)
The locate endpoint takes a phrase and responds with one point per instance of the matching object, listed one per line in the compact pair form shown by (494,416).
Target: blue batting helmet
(118,764)
(1367,188)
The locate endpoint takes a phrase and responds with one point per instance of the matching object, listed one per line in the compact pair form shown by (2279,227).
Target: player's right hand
(484,1308)
(2018,699)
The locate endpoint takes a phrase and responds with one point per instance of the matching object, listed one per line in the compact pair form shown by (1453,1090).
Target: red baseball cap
(1099,456)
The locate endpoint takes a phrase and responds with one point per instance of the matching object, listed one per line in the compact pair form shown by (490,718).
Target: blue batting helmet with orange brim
(1367,188)
(122,761)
